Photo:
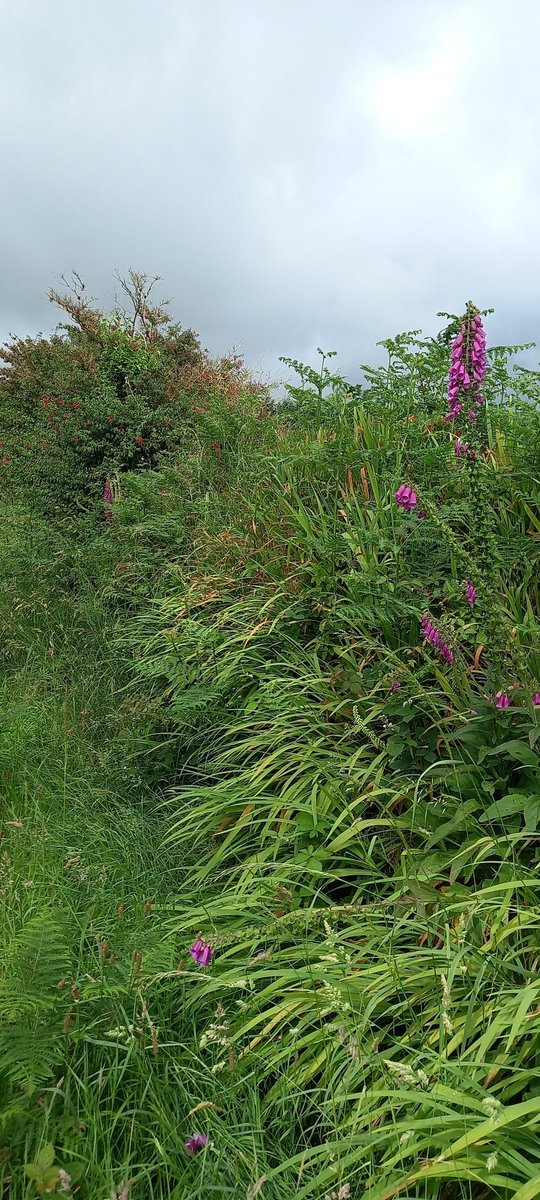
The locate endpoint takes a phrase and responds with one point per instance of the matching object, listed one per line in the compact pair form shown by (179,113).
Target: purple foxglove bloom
(427,627)
(467,364)
(471,593)
(107,500)
(536,698)
(196,1142)
(445,652)
(396,686)
(502,700)
(430,633)
(434,638)
(406,497)
(201,953)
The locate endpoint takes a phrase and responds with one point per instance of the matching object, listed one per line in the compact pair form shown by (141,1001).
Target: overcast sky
(299,172)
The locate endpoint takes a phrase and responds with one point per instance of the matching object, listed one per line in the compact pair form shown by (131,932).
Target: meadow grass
(202,734)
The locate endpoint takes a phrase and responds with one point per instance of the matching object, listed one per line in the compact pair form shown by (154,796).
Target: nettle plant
(506,667)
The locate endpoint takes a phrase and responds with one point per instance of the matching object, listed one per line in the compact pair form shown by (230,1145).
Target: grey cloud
(300,172)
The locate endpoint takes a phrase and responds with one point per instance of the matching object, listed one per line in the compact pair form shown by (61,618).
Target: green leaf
(531,812)
(395,746)
(507,806)
(32,1171)
(304,822)
(45,1157)
(515,750)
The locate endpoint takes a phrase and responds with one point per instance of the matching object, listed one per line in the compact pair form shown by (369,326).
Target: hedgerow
(270,740)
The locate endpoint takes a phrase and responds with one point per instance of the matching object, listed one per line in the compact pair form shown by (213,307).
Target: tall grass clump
(271,733)
(352,696)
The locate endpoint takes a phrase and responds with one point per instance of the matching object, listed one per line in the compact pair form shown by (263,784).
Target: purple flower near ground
(502,700)
(434,638)
(395,686)
(536,698)
(406,497)
(201,953)
(421,515)
(196,1142)
(460,447)
(471,593)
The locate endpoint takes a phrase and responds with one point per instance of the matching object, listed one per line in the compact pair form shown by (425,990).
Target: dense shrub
(109,392)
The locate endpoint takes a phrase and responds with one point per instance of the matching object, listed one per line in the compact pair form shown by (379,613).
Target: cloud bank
(301,173)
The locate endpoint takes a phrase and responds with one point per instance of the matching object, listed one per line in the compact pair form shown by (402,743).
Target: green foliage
(202,734)
(121,391)
(31,1041)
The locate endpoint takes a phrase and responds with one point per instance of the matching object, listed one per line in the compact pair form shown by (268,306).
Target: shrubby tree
(107,392)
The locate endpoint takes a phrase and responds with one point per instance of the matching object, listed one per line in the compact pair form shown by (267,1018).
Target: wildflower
(434,638)
(396,686)
(460,447)
(107,500)
(467,364)
(502,700)
(406,497)
(196,1142)
(201,953)
(421,515)
(471,593)
(138,440)
(536,699)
